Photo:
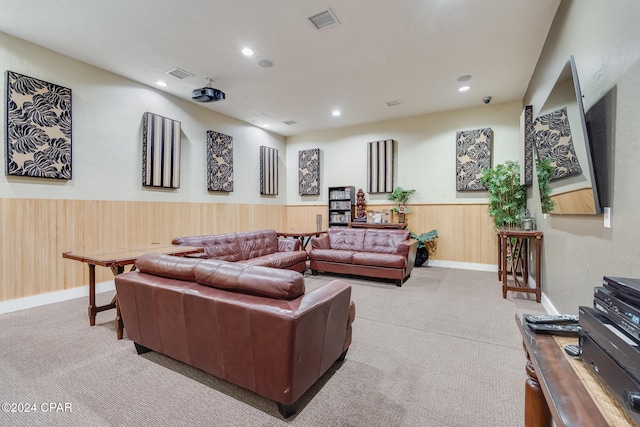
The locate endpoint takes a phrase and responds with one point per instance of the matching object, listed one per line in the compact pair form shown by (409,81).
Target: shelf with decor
(342,201)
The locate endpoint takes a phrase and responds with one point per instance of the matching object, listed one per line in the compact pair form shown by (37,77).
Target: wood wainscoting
(466,232)
(35,233)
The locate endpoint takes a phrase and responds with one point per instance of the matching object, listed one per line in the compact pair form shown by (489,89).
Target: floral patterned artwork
(309,172)
(473,154)
(219,162)
(38,138)
(554,142)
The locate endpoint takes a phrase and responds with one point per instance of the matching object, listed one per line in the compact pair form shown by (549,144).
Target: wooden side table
(389,225)
(513,259)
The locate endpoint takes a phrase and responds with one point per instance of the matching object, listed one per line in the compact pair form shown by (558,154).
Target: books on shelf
(340,194)
(342,204)
(346,217)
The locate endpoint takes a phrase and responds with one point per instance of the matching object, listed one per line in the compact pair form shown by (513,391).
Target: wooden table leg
(538,269)
(92,295)
(503,247)
(536,410)
(119,323)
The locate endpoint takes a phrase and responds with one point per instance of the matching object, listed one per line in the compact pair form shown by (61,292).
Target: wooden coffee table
(116,259)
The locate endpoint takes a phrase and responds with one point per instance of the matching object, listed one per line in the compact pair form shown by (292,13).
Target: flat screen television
(561,136)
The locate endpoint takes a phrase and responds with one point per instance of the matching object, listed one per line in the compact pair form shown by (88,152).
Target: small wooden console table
(116,259)
(562,389)
(513,259)
(304,237)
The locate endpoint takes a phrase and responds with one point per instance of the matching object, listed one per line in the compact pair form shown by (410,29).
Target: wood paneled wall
(465,231)
(35,233)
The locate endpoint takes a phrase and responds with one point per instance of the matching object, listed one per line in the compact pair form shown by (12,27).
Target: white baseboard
(53,297)
(462,265)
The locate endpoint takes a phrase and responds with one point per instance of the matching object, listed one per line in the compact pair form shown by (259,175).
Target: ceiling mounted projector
(207,94)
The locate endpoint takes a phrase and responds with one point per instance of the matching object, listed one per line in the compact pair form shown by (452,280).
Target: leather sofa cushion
(332,255)
(278,259)
(348,239)
(250,279)
(255,244)
(384,241)
(379,259)
(223,246)
(171,267)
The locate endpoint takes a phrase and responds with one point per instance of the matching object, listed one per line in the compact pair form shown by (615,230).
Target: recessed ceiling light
(161,83)
(336,113)
(247,51)
(464,78)
(464,89)
(265,63)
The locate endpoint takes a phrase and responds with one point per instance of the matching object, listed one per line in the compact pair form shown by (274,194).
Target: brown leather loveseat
(379,253)
(252,326)
(263,248)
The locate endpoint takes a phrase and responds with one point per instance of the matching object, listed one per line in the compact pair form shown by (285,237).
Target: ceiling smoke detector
(208,93)
(323,19)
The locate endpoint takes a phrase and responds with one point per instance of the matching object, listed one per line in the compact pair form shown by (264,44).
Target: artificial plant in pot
(426,242)
(507,198)
(401,197)
(544,171)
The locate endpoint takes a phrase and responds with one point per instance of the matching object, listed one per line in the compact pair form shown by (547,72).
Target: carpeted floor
(443,350)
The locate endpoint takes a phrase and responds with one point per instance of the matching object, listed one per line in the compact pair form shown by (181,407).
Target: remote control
(551,318)
(569,330)
(572,350)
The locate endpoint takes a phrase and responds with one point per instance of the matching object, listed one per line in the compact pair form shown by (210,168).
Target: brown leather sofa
(263,248)
(252,326)
(378,253)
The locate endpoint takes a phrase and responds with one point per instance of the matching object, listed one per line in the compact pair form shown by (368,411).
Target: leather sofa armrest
(408,248)
(288,245)
(321,242)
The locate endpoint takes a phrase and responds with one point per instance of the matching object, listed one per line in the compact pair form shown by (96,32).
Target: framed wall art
(160,151)
(309,172)
(219,162)
(380,162)
(553,141)
(527,134)
(38,128)
(473,154)
(268,171)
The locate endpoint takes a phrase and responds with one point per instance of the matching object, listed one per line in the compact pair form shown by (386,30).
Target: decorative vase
(400,218)
(422,255)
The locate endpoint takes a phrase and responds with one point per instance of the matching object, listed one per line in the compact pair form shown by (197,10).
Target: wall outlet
(607,217)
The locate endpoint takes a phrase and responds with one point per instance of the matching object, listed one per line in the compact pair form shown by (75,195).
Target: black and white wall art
(380,163)
(527,134)
(160,151)
(268,171)
(219,162)
(309,172)
(553,141)
(473,154)
(38,126)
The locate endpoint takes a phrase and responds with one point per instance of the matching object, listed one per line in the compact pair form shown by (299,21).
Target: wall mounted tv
(561,135)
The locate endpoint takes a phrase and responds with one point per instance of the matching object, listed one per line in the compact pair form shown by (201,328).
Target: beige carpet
(443,350)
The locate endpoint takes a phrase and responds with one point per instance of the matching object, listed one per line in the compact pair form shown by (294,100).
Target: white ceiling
(382,50)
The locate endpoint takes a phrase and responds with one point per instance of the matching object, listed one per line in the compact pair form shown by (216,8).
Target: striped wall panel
(160,151)
(268,171)
(380,160)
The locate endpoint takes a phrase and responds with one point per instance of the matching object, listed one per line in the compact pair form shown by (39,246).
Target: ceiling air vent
(394,103)
(323,19)
(290,122)
(180,73)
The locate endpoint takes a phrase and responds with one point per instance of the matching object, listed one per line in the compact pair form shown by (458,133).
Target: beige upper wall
(107,115)
(426,153)
(604,39)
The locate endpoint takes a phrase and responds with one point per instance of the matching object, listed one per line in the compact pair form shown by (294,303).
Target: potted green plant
(507,198)
(426,242)
(544,171)
(401,197)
